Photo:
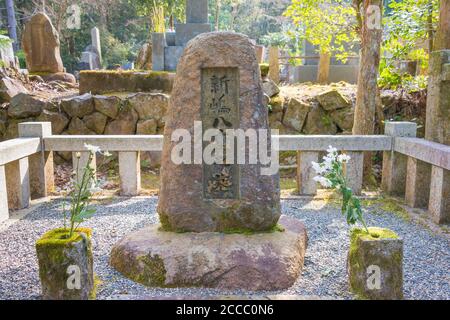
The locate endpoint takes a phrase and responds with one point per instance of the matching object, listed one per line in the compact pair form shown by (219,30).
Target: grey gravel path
(426,263)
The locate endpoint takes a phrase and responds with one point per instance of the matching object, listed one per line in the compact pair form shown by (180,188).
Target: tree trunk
(430,25)
(217,15)
(442,39)
(323,71)
(437,126)
(366,98)
(12,23)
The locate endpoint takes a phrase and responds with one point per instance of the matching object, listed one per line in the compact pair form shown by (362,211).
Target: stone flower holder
(66,265)
(374,264)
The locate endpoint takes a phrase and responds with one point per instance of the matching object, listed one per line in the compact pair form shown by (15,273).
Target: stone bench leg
(418,176)
(4,212)
(42,181)
(305,172)
(394,164)
(18,184)
(82,162)
(439,205)
(130,173)
(354,171)
(393,181)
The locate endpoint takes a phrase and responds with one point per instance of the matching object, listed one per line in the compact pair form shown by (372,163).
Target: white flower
(318,168)
(107,154)
(331,150)
(323,181)
(343,158)
(92,149)
(328,163)
(95,189)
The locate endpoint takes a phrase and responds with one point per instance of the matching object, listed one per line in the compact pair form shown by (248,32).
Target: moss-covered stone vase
(66,265)
(375,264)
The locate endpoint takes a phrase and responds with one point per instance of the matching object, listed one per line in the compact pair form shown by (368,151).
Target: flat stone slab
(260,261)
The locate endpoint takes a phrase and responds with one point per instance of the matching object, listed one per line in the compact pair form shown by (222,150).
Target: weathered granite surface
(41,45)
(375,264)
(259,261)
(182,206)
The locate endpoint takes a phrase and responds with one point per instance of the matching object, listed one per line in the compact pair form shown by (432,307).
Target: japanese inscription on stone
(220,110)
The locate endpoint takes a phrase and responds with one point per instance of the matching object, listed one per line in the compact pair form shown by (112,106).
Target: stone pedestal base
(262,261)
(60,76)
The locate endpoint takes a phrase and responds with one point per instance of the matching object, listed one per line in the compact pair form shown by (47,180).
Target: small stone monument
(41,45)
(168,47)
(95,38)
(220,222)
(91,57)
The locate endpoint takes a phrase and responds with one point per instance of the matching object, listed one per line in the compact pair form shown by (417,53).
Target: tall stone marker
(218,83)
(95,39)
(40,42)
(41,45)
(220,222)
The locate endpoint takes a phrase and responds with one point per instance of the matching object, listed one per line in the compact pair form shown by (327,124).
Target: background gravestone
(189,197)
(41,45)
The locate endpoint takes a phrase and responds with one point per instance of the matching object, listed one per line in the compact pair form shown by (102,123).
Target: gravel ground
(426,255)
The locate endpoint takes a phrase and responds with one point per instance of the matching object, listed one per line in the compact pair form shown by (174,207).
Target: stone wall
(295,110)
(106,81)
(133,113)
(291,109)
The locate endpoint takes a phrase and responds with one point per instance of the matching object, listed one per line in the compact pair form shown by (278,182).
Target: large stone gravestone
(189,198)
(41,45)
(220,222)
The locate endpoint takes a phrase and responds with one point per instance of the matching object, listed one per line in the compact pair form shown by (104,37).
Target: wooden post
(324,68)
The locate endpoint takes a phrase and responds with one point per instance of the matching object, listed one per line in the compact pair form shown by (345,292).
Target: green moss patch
(375,233)
(60,237)
(248,232)
(264,67)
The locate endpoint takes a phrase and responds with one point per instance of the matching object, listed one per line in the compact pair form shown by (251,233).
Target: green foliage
(409,24)
(22,61)
(80,197)
(328,24)
(392,79)
(331,175)
(171,10)
(157,18)
(81,193)
(4,42)
(276,39)
(117,52)
(255,18)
